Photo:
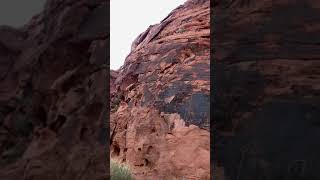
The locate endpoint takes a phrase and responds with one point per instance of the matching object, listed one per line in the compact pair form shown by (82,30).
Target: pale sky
(129,19)
(16,13)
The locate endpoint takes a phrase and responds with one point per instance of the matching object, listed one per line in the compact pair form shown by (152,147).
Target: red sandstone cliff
(53,79)
(160,119)
(267,100)
(52,96)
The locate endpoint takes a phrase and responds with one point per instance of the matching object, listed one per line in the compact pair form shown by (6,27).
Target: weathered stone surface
(267,101)
(159,145)
(52,87)
(160,116)
(173,61)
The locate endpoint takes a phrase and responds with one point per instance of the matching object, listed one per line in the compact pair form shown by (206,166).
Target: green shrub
(115,103)
(119,171)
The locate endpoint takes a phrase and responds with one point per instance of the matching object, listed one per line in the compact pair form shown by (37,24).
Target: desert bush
(119,171)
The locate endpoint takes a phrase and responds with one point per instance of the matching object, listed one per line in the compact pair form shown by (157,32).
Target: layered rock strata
(267,100)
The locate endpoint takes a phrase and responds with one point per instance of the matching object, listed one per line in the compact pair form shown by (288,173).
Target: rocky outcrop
(267,100)
(52,83)
(160,121)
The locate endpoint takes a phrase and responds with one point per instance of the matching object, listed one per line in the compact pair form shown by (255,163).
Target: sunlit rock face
(52,94)
(267,102)
(160,121)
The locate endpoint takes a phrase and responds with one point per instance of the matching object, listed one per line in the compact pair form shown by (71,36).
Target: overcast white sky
(18,12)
(130,18)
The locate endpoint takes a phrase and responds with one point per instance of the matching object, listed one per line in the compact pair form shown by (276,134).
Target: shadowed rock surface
(267,100)
(160,120)
(52,84)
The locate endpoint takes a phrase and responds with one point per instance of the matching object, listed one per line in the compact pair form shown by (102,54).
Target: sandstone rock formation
(52,84)
(160,117)
(267,100)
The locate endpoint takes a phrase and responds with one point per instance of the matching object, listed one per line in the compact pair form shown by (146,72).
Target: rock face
(52,83)
(267,100)
(160,120)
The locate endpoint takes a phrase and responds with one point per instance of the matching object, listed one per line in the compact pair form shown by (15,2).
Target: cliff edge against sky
(160,100)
